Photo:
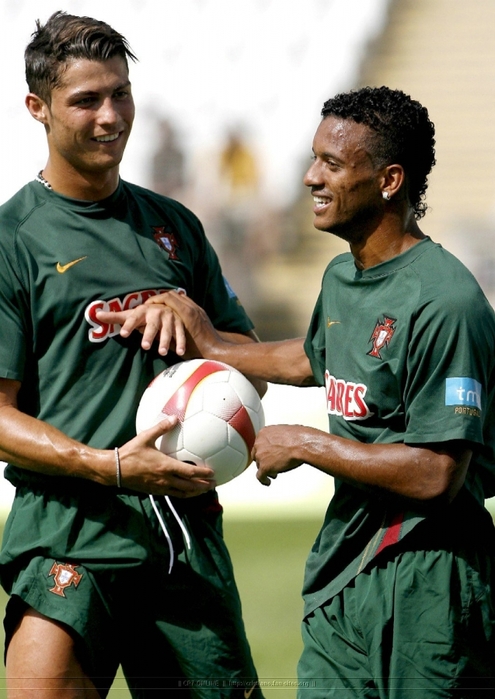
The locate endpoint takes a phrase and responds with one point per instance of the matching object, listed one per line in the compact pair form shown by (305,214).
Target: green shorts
(419,622)
(181,629)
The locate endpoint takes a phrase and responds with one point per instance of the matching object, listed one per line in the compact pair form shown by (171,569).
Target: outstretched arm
(278,362)
(172,316)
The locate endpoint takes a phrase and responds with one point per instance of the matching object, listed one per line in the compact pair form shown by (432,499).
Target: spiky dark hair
(65,37)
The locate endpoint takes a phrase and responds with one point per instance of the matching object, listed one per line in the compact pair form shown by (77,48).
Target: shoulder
(21,204)
(450,302)
(18,211)
(444,278)
(158,201)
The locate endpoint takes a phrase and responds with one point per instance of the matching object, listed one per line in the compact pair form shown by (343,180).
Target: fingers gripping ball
(219,410)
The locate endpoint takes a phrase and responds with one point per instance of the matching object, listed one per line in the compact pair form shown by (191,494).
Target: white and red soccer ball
(219,410)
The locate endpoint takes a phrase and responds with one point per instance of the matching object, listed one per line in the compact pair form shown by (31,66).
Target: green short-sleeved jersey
(60,261)
(63,259)
(405,351)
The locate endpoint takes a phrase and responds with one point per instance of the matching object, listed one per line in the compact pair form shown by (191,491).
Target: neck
(393,237)
(88,186)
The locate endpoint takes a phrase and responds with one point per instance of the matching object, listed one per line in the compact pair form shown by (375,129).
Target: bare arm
(160,323)
(37,446)
(241,339)
(425,472)
(282,362)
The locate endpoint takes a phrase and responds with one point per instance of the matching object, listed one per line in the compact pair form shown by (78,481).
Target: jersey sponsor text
(346,398)
(99,331)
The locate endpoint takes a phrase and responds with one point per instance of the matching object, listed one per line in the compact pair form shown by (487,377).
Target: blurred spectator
(168,163)
(239,184)
(238,166)
(239,209)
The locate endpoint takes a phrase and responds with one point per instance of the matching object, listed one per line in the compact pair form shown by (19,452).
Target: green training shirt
(405,351)
(61,260)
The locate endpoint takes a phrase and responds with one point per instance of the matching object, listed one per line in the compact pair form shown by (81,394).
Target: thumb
(156,431)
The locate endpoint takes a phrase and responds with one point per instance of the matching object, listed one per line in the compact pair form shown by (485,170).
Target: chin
(319,224)
(102,168)
(324,225)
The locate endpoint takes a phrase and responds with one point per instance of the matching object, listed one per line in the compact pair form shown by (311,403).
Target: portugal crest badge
(381,336)
(165,237)
(64,575)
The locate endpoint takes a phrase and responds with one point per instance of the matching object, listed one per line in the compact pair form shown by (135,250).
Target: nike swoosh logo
(248,692)
(332,322)
(63,268)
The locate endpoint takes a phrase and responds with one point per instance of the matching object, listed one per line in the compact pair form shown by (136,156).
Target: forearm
(419,473)
(283,362)
(241,339)
(38,446)
(411,472)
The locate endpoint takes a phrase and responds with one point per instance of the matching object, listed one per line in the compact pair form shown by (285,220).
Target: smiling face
(88,121)
(345,184)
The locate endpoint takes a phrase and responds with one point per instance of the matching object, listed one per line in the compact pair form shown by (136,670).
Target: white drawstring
(165,531)
(185,533)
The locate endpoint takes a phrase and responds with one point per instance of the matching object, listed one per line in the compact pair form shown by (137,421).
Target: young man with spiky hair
(113,552)
(400,584)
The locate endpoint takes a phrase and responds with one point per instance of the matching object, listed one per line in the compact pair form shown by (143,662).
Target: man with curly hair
(399,585)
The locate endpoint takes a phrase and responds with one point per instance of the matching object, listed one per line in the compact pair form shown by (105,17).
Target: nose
(107,113)
(310,179)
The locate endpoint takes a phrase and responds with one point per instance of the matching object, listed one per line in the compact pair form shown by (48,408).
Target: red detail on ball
(242,423)
(177,404)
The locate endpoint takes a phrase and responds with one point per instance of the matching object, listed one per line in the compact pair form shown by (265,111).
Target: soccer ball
(219,410)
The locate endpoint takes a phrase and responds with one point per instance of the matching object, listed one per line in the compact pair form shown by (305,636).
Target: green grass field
(269,556)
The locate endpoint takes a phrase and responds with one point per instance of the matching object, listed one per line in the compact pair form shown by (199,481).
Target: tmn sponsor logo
(346,398)
(462,390)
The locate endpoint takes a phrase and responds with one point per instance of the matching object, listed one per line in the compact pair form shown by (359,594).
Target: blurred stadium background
(228,97)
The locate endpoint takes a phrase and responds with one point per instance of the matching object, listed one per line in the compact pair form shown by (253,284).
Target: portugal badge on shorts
(64,575)
(165,237)
(381,336)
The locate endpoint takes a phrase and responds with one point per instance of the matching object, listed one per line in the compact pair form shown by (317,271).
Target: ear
(37,108)
(393,180)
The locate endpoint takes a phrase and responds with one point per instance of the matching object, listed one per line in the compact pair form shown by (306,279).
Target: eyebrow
(78,94)
(325,155)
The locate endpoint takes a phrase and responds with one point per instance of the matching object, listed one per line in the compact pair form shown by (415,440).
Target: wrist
(118,472)
(101,466)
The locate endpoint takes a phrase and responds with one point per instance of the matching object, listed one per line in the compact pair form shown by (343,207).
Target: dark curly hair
(65,37)
(403,133)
